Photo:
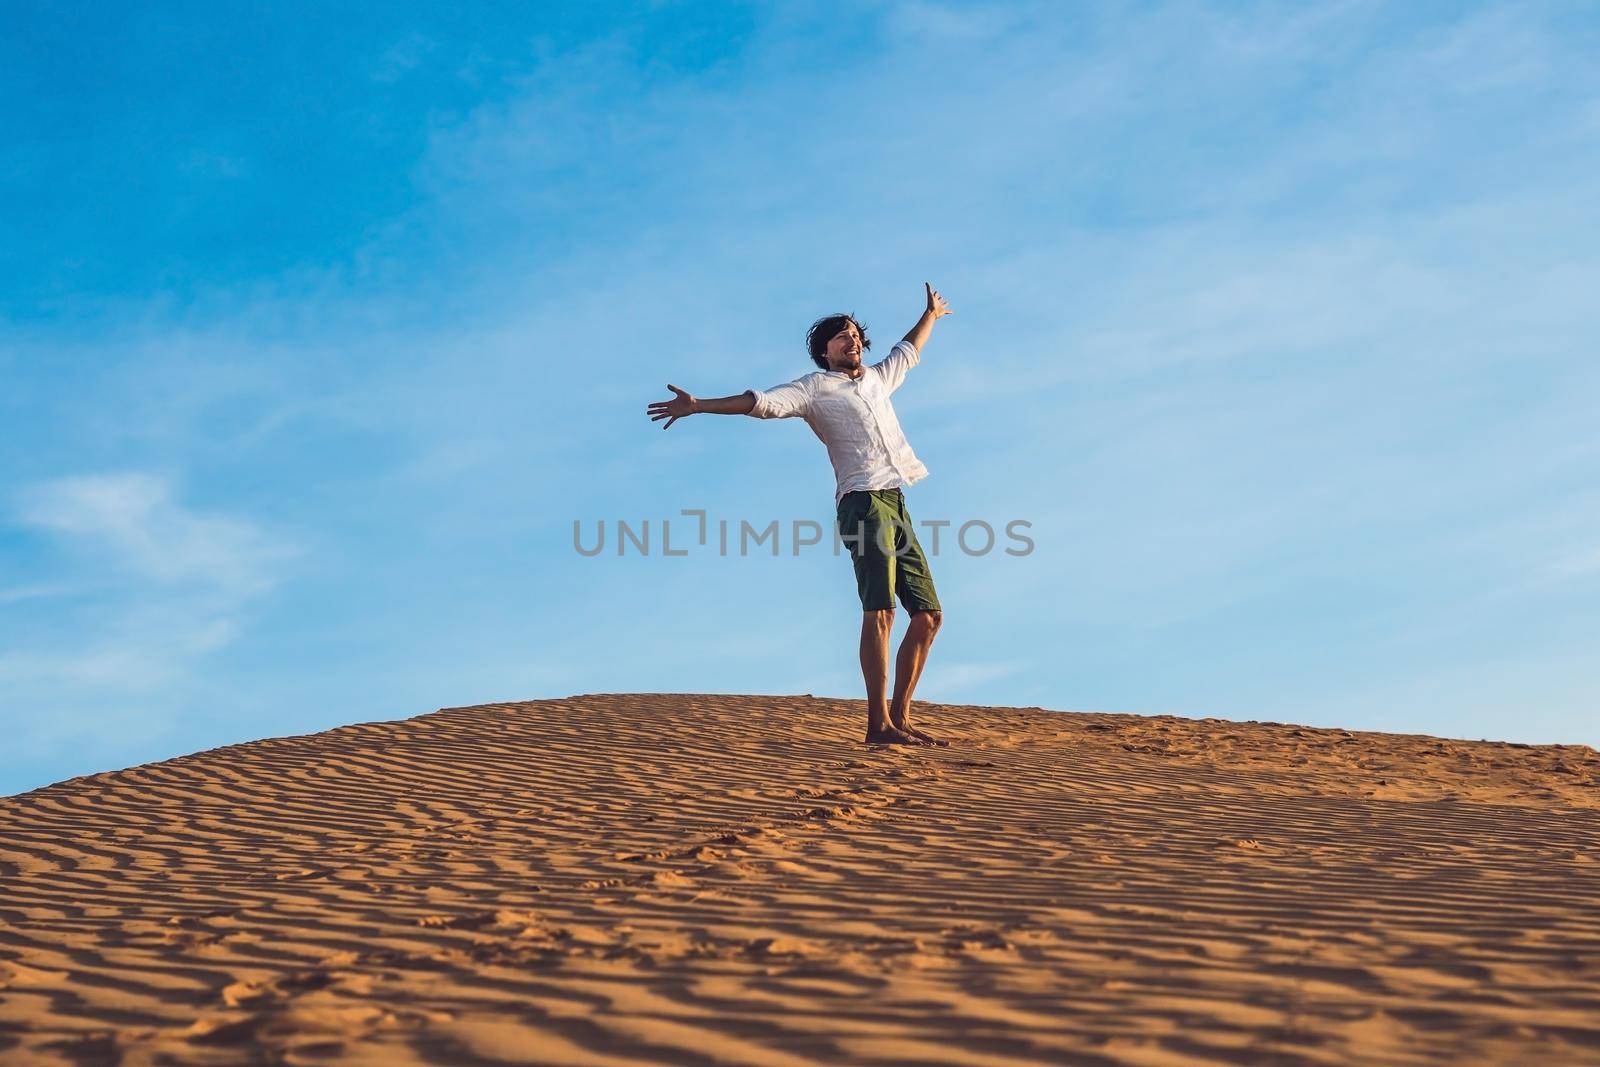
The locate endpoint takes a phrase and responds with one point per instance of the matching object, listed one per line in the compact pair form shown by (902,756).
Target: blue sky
(319,330)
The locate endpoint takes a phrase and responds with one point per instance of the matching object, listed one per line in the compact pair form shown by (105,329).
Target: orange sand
(721,879)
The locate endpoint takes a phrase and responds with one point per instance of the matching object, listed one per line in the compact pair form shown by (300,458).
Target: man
(847,405)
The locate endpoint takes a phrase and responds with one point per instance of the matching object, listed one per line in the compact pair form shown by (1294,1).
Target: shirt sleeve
(892,368)
(784,401)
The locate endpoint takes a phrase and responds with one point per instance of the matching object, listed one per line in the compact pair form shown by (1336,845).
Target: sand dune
(690,879)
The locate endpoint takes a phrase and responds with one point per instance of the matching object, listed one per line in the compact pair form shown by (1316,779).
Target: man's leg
(860,515)
(875,628)
(914,580)
(908,668)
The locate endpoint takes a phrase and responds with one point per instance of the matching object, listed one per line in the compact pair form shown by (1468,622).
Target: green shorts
(875,526)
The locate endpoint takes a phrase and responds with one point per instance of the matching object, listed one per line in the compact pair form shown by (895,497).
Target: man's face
(844,348)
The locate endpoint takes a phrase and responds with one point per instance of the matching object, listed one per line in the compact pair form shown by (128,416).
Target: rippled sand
(720,879)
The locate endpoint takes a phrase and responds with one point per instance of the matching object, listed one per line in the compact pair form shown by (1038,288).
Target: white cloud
(402,57)
(134,518)
(146,588)
(1582,564)
(947,678)
(17,594)
(129,659)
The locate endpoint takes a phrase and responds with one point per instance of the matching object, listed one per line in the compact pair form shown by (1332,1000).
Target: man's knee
(882,618)
(929,620)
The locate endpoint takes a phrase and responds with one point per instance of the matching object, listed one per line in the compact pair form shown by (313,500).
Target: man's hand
(683,404)
(672,410)
(937,309)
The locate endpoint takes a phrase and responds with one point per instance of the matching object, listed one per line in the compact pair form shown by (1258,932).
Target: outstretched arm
(682,405)
(937,309)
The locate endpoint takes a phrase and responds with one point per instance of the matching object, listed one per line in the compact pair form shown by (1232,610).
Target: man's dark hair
(823,330)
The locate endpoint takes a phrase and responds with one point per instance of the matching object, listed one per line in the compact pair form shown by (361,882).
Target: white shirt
(854,418)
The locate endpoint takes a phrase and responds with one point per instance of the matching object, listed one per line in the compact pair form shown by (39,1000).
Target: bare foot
(927,739)
(890,735)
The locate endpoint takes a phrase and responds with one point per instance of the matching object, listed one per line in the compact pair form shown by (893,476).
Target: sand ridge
(627,878)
